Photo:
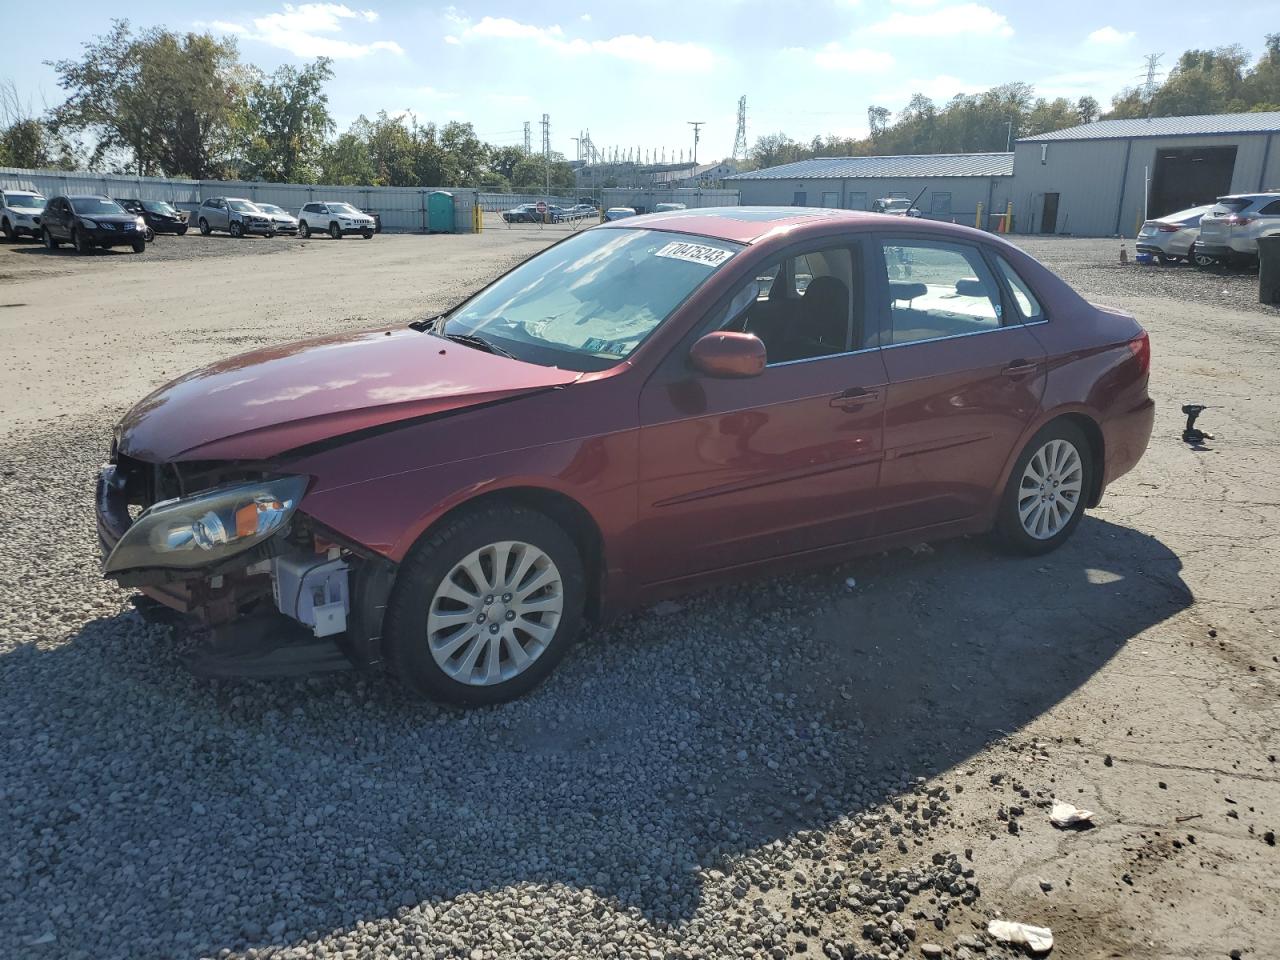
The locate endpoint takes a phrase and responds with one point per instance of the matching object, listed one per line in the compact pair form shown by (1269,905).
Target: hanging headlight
(204,529)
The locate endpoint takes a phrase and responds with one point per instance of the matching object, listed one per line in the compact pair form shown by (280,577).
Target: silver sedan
(1173,237)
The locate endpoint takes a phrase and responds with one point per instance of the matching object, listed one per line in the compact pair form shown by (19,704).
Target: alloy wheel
(495,613)
(1049,494)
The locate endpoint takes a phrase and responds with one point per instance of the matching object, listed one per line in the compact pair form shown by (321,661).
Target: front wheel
(181,231)
(49,242)
(78,241)
(484,607)
(1045,497)
(335,231)
(368,234)
(303,230)
(236,229)
(140,246)
(7,229)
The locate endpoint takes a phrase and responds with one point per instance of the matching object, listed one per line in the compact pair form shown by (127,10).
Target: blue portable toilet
(440,212)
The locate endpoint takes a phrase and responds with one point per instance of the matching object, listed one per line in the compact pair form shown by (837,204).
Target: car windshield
(158,206)
(589,301)
(98,205)
(898,205)
(344,208)
(25,200)
(271,208)
(1232,204)
(243,206)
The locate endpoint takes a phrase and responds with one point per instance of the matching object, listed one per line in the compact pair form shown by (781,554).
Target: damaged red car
(642,408)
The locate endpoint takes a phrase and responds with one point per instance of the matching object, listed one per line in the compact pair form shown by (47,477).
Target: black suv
(88,221)
(159,216)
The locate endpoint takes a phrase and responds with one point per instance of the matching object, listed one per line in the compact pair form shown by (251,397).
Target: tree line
(1222,80)
(161,103)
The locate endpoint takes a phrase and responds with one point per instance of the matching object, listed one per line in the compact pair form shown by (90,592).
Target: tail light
(1168,227)
(1240,221)
(1140,347)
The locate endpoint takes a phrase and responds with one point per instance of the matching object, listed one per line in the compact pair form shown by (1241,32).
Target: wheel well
(572,517)
(1097,450)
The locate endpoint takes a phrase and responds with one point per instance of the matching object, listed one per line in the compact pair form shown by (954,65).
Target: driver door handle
(854,397)
(1020,368)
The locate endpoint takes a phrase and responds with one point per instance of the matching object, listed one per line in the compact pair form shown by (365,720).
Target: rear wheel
(49,242)
(484,607)
(1169,259)
(149,235)
(335,231)
(1201,260)
(1045,497)
(204,227)
(80,243)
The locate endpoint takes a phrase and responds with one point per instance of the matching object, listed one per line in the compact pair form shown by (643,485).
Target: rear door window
(1271,209)
(938,290)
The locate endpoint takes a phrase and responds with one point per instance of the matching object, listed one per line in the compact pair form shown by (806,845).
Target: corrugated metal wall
(402,209)
(1101,183)
(943,198)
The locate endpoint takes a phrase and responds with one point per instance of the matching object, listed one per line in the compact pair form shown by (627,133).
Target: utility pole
(546,150)
(528,146)
(697,125)
(740,138)
(1008,140)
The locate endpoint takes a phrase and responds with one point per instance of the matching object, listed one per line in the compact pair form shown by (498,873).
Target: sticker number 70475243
(695,253)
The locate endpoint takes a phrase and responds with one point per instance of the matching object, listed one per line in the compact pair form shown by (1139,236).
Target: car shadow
(248,814)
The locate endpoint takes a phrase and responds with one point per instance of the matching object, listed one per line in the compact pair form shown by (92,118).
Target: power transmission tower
(546,136)
(528,146)
(740,138)
(1151,76)
(697,125)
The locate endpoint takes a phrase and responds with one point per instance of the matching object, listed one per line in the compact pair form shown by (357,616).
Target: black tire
(236,229)
(1009,526)
(433,557)
(303,230)
(149,235)
(78,241)
(368,234)
(335,231)
(140,246)
(1169,259)
(49,242)
(204,227)
(181,231)
(7,229)
(1201,260)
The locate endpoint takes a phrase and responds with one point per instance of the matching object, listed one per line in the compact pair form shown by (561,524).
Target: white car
(618,213)
(1173,237)
(334,218)
(281,219)
(20,212)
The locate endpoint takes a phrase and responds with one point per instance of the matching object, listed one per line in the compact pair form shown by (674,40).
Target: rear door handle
(1020,368)
(854,397)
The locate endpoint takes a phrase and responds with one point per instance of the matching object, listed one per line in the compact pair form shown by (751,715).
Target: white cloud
(1110,36)
(944,21)
(661,54)
(916,4)
(452,40)
(585,18)
(836,57)
(309,30)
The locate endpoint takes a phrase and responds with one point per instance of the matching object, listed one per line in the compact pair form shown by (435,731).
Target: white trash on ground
(1036,939)
(1066,815)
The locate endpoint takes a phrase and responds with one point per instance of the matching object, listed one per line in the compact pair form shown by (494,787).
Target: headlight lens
(141,224)
(209,527)
(91,224)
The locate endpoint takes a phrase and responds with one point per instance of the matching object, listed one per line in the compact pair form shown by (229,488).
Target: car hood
(261,404)
(123,218)
(28,211)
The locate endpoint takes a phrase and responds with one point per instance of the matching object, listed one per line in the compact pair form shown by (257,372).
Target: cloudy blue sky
(633,73)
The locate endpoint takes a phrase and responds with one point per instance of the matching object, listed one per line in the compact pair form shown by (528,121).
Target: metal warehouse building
(1103,178)
(950,185)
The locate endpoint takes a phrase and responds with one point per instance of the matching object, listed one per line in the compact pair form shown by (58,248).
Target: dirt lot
(795,767)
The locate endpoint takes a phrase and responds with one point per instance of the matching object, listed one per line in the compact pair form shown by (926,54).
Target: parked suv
(235,215)
(1230,231)
(159,216)
(336,219)
(88,221)
(20,213)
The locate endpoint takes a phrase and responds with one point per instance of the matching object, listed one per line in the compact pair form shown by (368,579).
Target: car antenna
(917,199)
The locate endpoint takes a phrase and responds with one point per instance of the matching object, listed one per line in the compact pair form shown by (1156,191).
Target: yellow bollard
(977,217)
(1008,218)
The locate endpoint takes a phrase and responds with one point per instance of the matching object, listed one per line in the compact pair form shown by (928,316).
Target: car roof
(87,196)
(751,224)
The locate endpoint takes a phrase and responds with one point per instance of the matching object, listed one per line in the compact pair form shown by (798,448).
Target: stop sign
(542,206)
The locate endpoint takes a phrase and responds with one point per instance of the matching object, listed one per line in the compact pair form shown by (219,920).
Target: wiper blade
(480,343)
(426,324)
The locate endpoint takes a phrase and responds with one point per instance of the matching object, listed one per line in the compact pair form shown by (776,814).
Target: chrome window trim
(961,336)
(825,356)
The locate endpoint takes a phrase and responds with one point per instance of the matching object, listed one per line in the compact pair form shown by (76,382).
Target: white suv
(336,219)
(1230,231)
(20,212)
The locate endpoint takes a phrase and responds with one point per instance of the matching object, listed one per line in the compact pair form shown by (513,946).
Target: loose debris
(1065,815)
(1035,939)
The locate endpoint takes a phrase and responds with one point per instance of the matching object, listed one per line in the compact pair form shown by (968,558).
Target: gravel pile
(647,802)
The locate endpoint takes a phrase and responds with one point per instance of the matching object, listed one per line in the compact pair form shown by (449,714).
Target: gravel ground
(793,767)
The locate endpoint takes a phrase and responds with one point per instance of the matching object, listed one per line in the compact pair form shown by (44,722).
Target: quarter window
(938,290)
(1027,303)
(1271,209)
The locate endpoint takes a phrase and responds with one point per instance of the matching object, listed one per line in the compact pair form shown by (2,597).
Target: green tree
(347,161)
(530,175)
(158,102)
(293,121)
(1087,109)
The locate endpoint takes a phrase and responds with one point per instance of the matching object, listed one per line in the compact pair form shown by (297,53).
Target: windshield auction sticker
(695,253)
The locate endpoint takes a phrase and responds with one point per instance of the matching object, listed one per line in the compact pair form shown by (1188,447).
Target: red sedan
(641,408)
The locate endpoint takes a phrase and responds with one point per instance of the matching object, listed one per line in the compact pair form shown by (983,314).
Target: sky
(634,74)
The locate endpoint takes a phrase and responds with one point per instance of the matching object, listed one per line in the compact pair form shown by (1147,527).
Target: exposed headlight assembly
(91,224)
(204,529)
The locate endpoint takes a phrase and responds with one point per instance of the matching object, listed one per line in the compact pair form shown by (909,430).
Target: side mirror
(728,354)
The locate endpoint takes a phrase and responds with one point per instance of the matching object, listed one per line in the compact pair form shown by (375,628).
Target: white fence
(402,209)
